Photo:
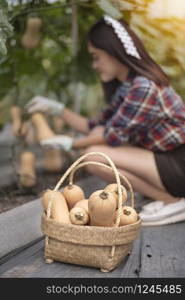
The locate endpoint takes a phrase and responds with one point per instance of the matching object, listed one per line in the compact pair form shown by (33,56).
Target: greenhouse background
(59,66)
(43,51)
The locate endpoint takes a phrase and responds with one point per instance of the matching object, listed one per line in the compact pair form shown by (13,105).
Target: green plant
(52,68)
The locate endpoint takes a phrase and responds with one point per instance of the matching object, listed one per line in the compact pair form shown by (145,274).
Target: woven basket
(94,246)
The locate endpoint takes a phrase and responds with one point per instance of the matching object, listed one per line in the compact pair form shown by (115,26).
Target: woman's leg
(138,165)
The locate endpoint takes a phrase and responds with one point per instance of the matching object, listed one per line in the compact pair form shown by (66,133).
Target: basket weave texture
(93,246)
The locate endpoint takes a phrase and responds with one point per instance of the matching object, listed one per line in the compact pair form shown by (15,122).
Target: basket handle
(124,179)
(68,171)
(112,166)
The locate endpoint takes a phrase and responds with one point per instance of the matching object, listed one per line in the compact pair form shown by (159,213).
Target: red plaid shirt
(145,115)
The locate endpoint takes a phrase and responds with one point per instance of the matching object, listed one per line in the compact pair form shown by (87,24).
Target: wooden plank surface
(158,252)
(162,251)
(30,263)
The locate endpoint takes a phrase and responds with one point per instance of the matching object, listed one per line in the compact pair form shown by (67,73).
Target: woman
(142,129)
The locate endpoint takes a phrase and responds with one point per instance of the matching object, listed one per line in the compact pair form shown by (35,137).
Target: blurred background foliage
(60,66)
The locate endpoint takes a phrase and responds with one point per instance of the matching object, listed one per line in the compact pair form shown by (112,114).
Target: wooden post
(74,28)
(75,40)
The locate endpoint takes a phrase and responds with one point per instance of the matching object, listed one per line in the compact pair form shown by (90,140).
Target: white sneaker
(168,214)
(153,206)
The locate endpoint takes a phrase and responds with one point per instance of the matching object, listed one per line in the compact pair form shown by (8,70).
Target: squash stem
(126,212)
(103,195)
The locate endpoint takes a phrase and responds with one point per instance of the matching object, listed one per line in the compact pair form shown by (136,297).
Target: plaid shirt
(145,115)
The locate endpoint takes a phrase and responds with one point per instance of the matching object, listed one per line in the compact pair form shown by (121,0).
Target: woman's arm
(75,121)
(83,124)
(95,137)
(88,141)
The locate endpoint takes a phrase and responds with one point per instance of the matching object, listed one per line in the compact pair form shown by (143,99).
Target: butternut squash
(24,129)
(16,115)
(42,128)
(58,124)
(31,37)
(53,161)
(102,207)
(59,209)
(27,169)
(129,216)
(73,193)
(113,188)
(27,131)
(30,137)
(82,203)
(79,215)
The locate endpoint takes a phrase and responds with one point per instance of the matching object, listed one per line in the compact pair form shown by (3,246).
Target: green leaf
(6,31)
(124,5)
(4,4)
(3,50)
(109,9)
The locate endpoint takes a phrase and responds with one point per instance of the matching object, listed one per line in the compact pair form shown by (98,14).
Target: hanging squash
(53,161)
(27,169)
(16,115)
(28,133)
(30,137)
(32,35)
(52,157)
(42,128)
(58,124)
(24,129)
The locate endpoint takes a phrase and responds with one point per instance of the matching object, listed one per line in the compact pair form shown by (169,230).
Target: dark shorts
(171,168)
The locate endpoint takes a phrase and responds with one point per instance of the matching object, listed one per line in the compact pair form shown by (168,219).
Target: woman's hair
(102,36)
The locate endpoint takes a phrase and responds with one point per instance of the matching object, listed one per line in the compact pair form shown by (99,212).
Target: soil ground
(14,195)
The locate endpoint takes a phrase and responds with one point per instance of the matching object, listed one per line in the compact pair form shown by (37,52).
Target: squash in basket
(113,188)
(73,193)
(102,207)
(59,209)
(129,216)
(79,215)
(82,203)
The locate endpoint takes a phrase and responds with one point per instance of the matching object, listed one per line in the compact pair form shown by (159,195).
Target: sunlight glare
(167,8)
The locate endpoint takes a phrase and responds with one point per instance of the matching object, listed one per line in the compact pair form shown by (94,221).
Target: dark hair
(102,36)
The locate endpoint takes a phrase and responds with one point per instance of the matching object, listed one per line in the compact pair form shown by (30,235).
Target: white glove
(45,105)
(59,141)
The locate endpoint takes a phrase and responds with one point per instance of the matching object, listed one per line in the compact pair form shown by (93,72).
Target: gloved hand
(45,105)
(59,141)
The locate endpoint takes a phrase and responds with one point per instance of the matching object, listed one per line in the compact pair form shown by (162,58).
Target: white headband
(123,35)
